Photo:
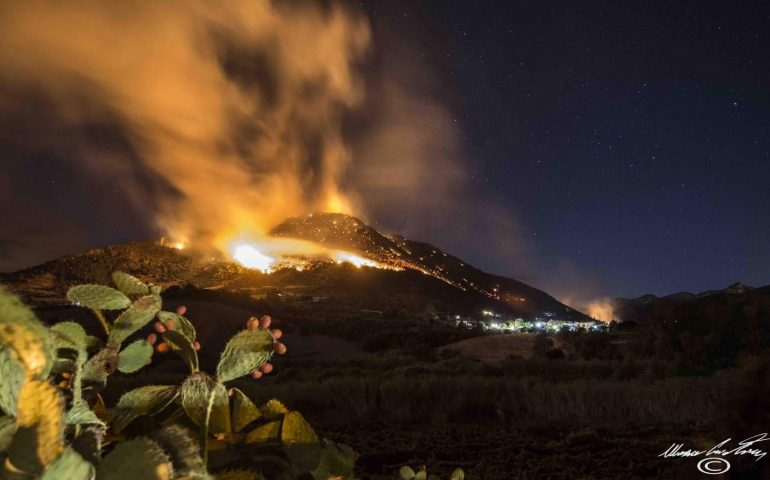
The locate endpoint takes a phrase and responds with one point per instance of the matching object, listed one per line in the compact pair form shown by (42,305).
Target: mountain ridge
(422,265)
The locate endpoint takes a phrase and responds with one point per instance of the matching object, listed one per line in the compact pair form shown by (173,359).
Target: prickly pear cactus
(245,352)
(32,432)
(129,285)
(39,431)
(148,400)
(182,324)
(11,380)
(243,410)
(206,402)
(98,297)
(183,450)
(135,356)
(71,466)
(140,458)
(26,337)
(183,347)
(138,315)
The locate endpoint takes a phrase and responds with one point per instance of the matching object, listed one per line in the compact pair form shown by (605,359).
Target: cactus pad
(245,352)
(148,400)
(183,451)
(137,316)
(39,433)
(206,403)
(133,459)
(183,325)
(183,347)
(98,297)
(243,410)
(25,335)
(130,285)
(12,377)
(273,408)
(69,465)
(135,356)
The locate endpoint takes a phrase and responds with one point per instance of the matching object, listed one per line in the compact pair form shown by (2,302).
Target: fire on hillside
(268,255)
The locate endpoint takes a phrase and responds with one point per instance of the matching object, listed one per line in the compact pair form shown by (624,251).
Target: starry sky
(621,147)
(632,138)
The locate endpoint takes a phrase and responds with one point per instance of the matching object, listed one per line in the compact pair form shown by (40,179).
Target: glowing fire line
(269,254)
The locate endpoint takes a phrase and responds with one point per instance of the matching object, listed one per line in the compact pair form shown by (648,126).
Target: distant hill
(646,307)
(428,278)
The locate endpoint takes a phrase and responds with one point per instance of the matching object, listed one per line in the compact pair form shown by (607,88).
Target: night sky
(628,143)
(633,138)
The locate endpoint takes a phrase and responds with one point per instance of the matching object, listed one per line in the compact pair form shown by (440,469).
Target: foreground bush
(56,425)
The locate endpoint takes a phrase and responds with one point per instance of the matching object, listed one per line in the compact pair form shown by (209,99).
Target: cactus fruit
(148,400)
(135,356)
(137,458)
(406,473)
(138,315)
(129,285)
(98,297)
(245,352)
(179,323)
(33,443)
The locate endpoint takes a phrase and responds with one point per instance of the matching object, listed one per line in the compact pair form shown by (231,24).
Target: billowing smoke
(230,111)
(215,120)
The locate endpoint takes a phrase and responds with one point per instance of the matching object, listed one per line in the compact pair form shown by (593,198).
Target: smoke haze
(231,110)
(204,121)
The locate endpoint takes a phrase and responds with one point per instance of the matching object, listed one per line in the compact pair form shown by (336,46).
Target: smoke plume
(230,111)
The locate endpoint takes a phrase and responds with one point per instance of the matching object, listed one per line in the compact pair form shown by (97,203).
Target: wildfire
(269,254)
(344,257)
(179,245)
(248,256)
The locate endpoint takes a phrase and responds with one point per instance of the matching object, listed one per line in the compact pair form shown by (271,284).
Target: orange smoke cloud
(235,107)
(597,308)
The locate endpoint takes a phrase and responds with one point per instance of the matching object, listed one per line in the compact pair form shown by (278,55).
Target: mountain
(417,276)
(644,308)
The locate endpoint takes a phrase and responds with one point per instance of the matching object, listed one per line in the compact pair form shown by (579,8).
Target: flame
(268,254)
(249,256)
(345,257)
(601,310)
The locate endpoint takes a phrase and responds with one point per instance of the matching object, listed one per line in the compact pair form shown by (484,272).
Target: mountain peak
(350,233)
(408,271)
(738,287)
